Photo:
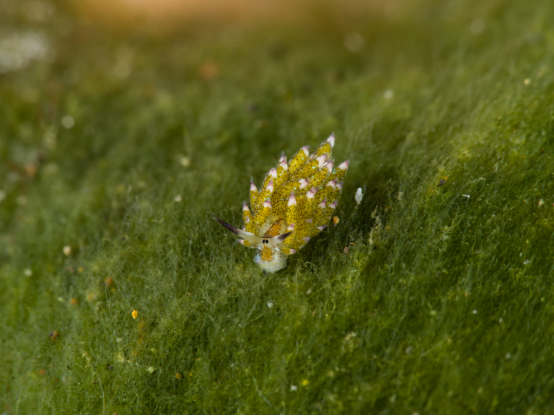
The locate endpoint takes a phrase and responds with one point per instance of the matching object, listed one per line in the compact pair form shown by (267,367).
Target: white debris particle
(541,203)
(467,196)
(388,94)
(67,250)
(150,369)
(526,81)
(2,195)
(477,27)
(178,198)
(28,272)
(270,304)
(185,162)
(18,50)
(354,42)
(474,311)
(293,388)
(359,196)
(68,122)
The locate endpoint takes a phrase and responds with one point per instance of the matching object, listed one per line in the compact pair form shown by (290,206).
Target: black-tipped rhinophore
(228,226)
(283,237)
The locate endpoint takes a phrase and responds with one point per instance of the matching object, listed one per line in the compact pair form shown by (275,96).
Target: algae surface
(118,145)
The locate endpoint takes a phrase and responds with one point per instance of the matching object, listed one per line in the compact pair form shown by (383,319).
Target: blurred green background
(124,127)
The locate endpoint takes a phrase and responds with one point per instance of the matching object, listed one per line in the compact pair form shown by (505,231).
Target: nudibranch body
(294,204)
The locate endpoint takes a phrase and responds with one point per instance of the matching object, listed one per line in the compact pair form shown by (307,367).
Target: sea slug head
(269,257)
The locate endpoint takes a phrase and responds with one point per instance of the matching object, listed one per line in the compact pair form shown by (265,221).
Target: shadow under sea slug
(294,204)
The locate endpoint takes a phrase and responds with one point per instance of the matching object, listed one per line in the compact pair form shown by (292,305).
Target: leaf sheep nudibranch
(294,204)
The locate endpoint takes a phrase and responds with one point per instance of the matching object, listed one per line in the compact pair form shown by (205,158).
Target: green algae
(441,304)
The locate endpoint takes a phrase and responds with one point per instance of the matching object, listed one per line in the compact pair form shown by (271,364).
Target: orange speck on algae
(209,70)
(31,170)
(135,314)
(178,376)
(74,301)
(108,281)
(336,220)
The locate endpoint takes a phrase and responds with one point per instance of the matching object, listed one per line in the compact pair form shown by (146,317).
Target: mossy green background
(444,303)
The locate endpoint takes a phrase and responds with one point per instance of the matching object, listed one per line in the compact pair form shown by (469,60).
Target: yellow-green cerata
(294,204)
